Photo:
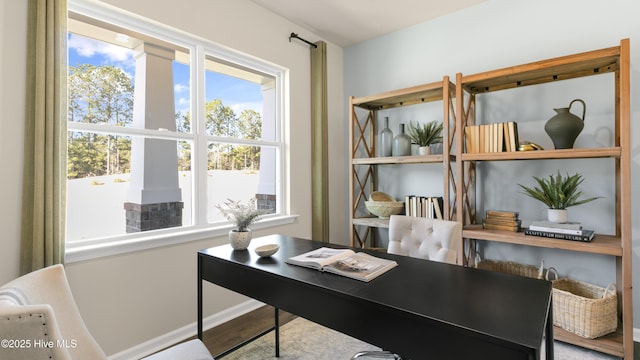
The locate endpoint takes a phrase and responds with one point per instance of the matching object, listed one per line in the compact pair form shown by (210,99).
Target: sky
(235,93)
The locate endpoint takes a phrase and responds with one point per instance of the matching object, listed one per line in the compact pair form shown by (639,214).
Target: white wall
(128,299)
(502,33)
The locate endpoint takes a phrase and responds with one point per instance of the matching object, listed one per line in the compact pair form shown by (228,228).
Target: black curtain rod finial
(294,35)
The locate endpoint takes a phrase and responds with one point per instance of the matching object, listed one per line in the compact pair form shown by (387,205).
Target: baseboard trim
(154,345)
(636,335)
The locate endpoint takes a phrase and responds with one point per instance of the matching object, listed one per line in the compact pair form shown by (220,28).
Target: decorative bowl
(267,250)
(383,205)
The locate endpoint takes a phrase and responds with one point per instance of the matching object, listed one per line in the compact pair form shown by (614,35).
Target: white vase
(424,150)
(557,215)
(239,240)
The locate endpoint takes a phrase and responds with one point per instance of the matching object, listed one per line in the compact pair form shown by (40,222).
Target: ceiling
(348,22)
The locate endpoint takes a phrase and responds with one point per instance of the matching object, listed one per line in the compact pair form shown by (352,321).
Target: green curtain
(44,183)
(319,143)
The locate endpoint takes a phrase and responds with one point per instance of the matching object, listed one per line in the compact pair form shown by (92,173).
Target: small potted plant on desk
(241,216)
(425,135)
(558,193)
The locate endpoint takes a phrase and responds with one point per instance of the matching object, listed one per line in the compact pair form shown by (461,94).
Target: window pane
(240,172)
(100,82)
(100,185)
(239,103)
(102,77)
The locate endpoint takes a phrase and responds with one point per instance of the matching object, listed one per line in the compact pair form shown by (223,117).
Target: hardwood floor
(233,332)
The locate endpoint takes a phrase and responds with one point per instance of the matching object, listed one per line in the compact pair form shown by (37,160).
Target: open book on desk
(345,262)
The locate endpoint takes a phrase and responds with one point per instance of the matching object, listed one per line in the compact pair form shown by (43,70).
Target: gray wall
(497,34)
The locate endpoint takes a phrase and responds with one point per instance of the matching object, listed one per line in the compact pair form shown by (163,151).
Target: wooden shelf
(561,68)
(601,244)
(584,153)
(403,97)
(372,222)
(424,159)
(609,344)
(613,60)
(365,164)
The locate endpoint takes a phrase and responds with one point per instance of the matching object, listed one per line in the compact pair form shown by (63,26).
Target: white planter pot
(240,240)
(424,150)
(557,215)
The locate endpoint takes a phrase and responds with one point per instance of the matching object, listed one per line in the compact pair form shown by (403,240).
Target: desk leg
(199,298)
(277,330)
(549,334)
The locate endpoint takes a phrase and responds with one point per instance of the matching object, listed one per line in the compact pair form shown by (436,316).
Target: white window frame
(199,48)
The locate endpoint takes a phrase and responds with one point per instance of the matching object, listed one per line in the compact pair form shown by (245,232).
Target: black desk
(420,309)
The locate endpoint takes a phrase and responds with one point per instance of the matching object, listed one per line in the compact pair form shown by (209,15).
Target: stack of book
(567,231)
(424,206)
(501,220)
(497,137)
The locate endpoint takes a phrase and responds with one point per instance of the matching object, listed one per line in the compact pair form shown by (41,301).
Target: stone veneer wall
(153,216)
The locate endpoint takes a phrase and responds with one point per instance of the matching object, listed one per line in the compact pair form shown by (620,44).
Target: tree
(99,95)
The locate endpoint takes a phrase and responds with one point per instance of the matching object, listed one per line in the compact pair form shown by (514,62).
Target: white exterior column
(266,194)
(154,162)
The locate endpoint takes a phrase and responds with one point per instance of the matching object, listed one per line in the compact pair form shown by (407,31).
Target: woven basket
(586,310)
(510,267)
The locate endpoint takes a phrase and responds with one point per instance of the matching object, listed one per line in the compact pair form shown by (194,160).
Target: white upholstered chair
(431,239)
(40,317)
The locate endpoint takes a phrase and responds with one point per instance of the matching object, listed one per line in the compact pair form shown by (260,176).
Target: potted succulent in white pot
(425,135)
(558,193)
(242,216)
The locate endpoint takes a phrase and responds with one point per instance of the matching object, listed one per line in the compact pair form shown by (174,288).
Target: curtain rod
(294,35)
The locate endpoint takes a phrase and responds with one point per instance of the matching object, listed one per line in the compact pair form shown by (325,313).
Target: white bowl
(267,250)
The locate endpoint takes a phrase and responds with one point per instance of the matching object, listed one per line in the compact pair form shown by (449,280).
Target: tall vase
(401,143)
(240,240)
(564,127)
(386,139)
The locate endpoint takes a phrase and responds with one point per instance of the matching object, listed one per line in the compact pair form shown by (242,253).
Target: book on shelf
(586,236)
(424,206)
(488,138)
(515,227)
(344,262)
(502,214)
(501,220)
(573,228)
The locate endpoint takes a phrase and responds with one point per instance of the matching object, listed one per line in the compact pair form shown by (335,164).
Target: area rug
(301,339)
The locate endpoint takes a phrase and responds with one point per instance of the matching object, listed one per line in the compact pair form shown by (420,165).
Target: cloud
(89,48)
(178,88)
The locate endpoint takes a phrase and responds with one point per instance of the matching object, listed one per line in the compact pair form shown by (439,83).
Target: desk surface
(487,306)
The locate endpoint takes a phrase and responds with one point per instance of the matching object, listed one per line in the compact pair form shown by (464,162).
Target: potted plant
(558,193)
(425,135)
(242,216)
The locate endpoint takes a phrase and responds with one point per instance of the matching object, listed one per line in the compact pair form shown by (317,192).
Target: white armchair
(431,239)
(39,319)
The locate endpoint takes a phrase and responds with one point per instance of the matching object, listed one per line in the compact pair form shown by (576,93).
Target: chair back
(39,309)
(431,239)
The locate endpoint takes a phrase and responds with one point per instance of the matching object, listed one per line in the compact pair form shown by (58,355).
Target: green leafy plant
(240,215)
(427,134)
(558,192)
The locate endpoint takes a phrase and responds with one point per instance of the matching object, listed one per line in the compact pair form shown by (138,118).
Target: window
(161,128)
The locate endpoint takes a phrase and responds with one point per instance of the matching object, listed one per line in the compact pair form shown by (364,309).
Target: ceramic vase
(564,127)
(401,143)
(239,240)
(558,216)
(386,139)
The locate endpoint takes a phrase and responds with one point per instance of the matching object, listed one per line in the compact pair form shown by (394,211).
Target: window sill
(82,252)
